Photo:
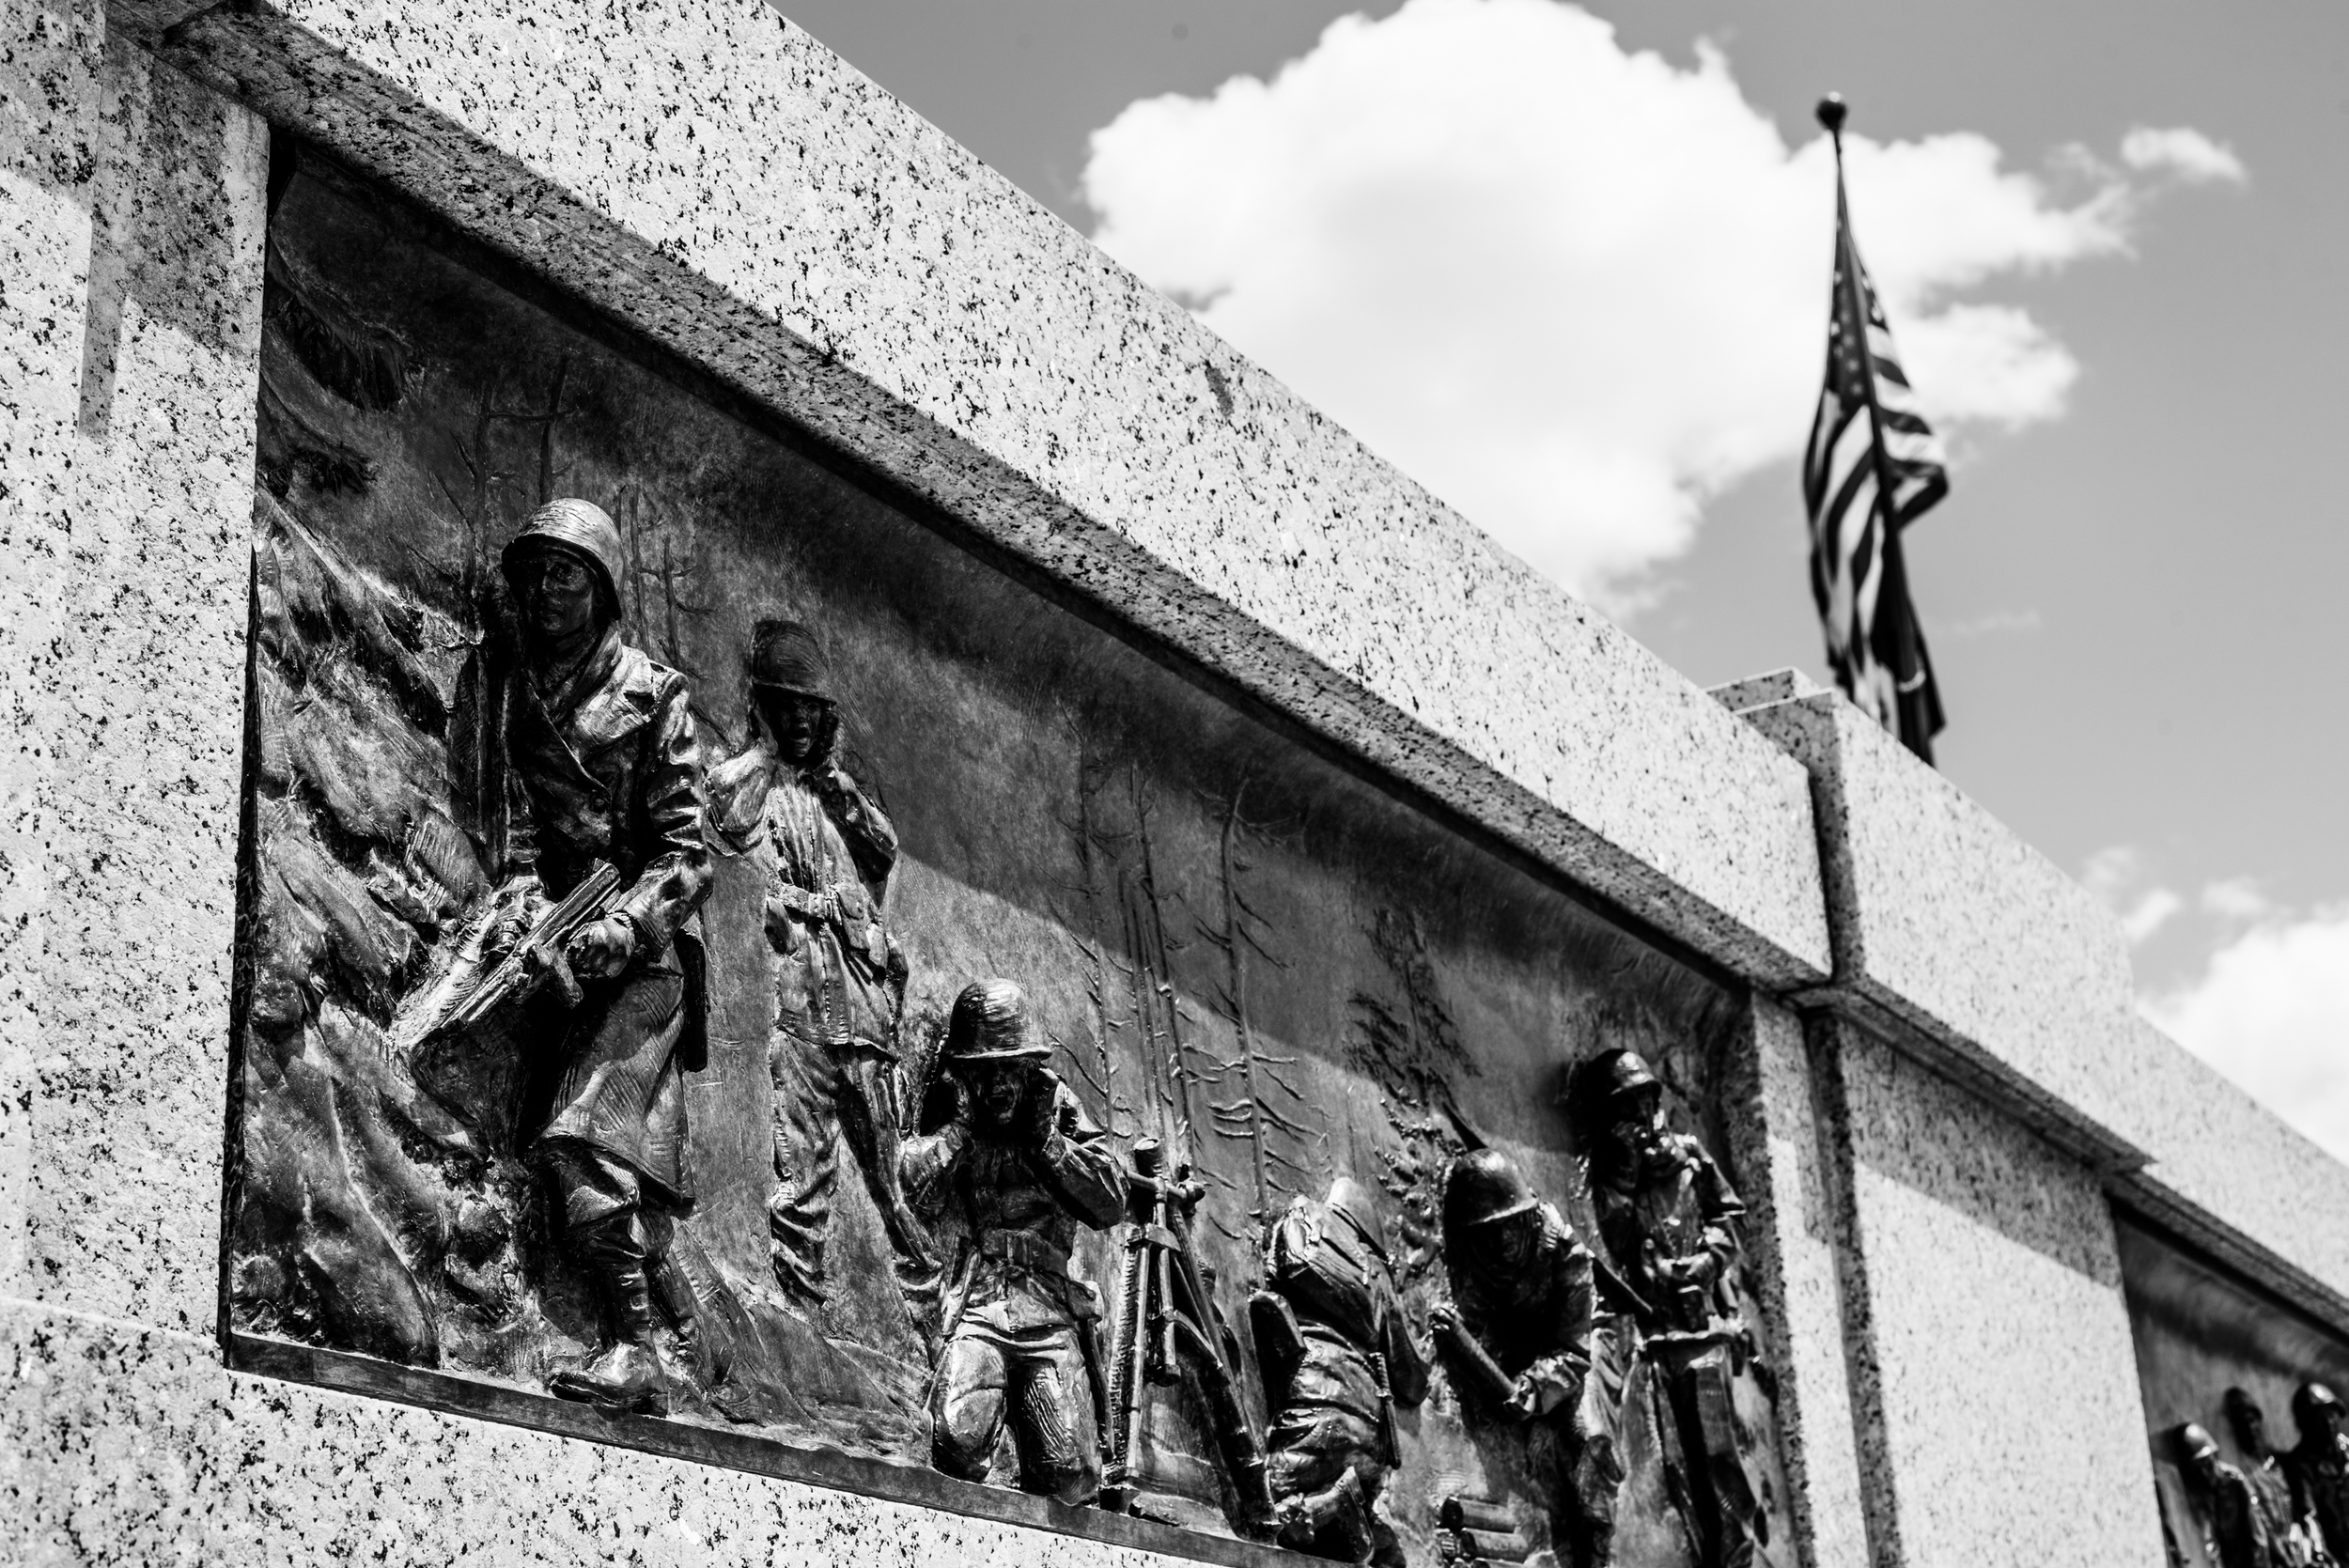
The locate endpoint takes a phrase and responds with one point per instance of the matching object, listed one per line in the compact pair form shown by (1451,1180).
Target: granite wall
(1942,1080)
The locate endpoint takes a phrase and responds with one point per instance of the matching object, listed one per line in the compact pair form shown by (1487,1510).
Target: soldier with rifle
(827,848)
(2226,1509)
(1337,1357)
(1668,1219)
(579,774)
(1017,1168)
(2291,1539)
(1517,1337)
(2319,1468)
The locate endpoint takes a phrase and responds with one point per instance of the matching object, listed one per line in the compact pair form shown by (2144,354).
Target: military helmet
(991,1023)
(2313,1399)
(2195,1443)
(1484,1189)
(580,527)
(1625,1074)
(785,654)
(1350,1201)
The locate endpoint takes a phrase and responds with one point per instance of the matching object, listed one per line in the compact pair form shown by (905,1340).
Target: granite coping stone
(2229,1176)
(707,174)
(1955,938)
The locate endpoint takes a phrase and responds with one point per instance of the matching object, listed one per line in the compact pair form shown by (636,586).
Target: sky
(1567,266)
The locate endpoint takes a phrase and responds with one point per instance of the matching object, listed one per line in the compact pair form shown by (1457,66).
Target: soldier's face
(2204,1468)
(797,721)
(2251,1425)
(558,595)
(1639,1123)
(999,1087)
(1507,1246)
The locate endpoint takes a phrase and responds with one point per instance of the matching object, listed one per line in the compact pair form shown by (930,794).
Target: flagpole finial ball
(1831,112)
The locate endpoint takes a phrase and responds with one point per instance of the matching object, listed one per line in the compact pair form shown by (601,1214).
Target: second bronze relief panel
(715,950)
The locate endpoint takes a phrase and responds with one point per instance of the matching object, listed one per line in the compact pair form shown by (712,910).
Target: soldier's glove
(603,950)
(517,904)
(1542,1389)
(1043,1110)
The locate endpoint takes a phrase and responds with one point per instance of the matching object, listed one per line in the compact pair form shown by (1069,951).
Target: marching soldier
(1522,1304)
(1017,1168)
(841,984)
(2319,1467)
(2288,1545)
(1337,1358)
(1669,1221)
(2226,1511)
(579,749)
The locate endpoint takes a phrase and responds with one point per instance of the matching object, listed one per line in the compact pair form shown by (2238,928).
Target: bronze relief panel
(718,954)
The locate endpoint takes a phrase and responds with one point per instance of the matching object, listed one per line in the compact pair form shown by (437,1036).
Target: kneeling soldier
(1017,1168)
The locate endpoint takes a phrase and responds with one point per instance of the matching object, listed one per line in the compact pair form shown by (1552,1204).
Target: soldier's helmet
(579,527)
(785,655)
(1627,1076)
(991,1023)
(2314,1402)
(1353,1202)
(1599,1089)
(1484,1189)
(2195,1443)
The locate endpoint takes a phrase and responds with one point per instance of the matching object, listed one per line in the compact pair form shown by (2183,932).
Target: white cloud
(2120,877)
(2238,898)
(2272,1011)
(2181,151)
(1575,290)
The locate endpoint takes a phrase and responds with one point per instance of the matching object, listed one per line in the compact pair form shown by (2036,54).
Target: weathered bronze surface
(2215,1354)
(616,877)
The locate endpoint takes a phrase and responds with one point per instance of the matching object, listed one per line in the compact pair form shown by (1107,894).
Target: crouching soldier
(581,750)
(1519,1330)
(827,850)
(1337,1358)
(1015,1169)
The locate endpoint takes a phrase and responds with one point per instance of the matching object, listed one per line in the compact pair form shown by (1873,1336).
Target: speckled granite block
(1955,937)
(2232,1177)
(49,75)
(1791,1236)
(127,1445)
(711,177)
(2002,1379)
(130,718)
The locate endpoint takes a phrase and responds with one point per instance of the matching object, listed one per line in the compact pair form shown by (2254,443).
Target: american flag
(1873,467)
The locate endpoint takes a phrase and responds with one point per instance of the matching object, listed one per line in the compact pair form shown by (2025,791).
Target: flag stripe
(1873,465)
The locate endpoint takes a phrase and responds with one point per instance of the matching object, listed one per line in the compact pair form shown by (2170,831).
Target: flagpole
(1832,111)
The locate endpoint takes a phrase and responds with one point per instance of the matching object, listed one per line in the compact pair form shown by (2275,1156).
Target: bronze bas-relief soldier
(2291,1539)
(828,849)
(1015,1169)
(1668,1219)
(1518,1323)
(578,751)
(2226,1509)
(2319,1468)
(1337,1358)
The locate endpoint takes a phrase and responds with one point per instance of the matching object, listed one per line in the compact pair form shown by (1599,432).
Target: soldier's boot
(626,1375)
(1333,1522)
(1257,1519)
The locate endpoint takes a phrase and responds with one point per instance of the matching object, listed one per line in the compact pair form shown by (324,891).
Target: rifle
(539,956)
(1164,1318)
(1478,1360)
